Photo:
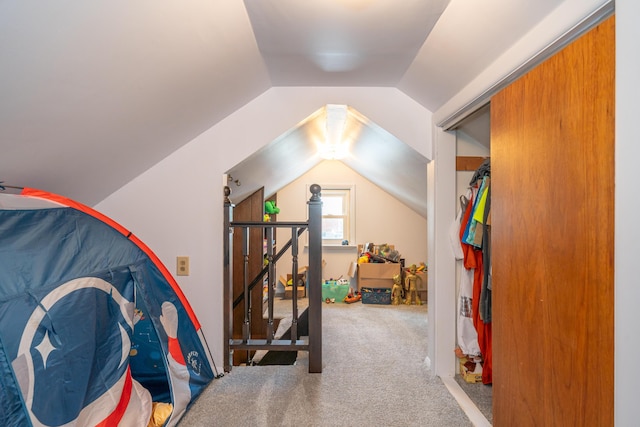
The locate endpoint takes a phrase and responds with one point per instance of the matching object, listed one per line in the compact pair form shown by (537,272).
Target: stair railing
(312,344)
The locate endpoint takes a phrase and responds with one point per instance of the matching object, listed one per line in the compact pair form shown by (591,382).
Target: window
(337,214)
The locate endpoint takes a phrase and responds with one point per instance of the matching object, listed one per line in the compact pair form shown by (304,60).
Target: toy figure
(351,297)
(396,290)
(271,208)
(411,285)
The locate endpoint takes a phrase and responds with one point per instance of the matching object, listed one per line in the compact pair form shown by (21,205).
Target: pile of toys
(378,253)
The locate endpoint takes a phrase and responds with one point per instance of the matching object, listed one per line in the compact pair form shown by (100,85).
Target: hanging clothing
(466,220)
(467,334)
(454,238)
(473,259)
(454,229)
(474,235)
(466,331)
(485,294)
(481,172)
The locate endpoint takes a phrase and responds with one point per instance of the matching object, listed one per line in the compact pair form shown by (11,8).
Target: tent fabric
(93,328)
(35,194)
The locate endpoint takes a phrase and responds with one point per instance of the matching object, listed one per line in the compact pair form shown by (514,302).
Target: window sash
(332,233)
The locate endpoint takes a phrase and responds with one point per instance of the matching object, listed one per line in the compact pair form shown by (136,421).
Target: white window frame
(348,192)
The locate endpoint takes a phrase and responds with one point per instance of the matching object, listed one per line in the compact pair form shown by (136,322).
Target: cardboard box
(422,283)
(422,286)
(288,292)
(468,376)
(302,284)
(377,275)
(423,296)
(286,281)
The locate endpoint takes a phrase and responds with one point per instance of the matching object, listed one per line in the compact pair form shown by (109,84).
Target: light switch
(183,266)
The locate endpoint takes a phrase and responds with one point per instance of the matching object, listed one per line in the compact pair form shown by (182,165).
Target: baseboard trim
(476,417)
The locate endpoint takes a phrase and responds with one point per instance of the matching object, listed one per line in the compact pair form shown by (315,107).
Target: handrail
(314,274)
(264,271)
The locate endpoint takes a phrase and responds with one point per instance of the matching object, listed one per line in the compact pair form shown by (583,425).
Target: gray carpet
(481,395)
(373,375)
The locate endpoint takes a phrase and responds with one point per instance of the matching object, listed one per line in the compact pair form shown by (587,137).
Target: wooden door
(250,209)
(552,161)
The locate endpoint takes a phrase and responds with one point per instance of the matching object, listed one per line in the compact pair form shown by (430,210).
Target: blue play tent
(94,331)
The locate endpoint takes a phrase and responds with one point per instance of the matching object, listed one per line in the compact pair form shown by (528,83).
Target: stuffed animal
(271,208)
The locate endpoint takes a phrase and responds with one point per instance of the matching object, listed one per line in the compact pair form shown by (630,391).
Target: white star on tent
(45,348)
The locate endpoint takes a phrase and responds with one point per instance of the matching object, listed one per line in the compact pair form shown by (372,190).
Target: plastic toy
(396,290)
(271,208)
(411,285)
(352,297)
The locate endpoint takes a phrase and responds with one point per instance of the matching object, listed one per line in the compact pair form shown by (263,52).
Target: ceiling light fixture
(334,147)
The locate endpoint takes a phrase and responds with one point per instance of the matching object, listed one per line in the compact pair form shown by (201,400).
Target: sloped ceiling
(478,126)
(94,93)
(402,174)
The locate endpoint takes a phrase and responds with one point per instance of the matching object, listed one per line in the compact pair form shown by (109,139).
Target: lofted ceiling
(478,126)
(402,173)
(95,93)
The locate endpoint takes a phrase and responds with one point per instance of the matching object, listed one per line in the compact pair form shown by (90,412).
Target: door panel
(552,155)
(250,209)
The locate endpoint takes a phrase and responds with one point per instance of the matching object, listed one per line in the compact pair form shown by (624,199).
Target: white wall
(176,206)
(441,204)
(379,218)
(564,18)
(627,206)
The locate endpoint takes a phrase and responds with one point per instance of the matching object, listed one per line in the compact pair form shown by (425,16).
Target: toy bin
(376,295)
(334,291)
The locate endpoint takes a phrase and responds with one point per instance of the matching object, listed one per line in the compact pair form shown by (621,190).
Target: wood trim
(468,163)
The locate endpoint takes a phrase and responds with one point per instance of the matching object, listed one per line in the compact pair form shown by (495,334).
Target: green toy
(271,208)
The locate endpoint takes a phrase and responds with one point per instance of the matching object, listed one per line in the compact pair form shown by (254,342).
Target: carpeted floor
(373,375)
(481,395)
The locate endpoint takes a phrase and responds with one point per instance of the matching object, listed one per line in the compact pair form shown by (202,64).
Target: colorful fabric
(473,260)
(86,318)
(478,210)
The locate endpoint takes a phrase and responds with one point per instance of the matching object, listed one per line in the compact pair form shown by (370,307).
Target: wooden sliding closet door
(552,161)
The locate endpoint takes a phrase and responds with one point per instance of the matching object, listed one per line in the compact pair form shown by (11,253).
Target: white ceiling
(403,173)
(94,93)
(344,42)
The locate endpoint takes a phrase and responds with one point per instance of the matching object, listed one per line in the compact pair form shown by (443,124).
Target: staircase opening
(391,177)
